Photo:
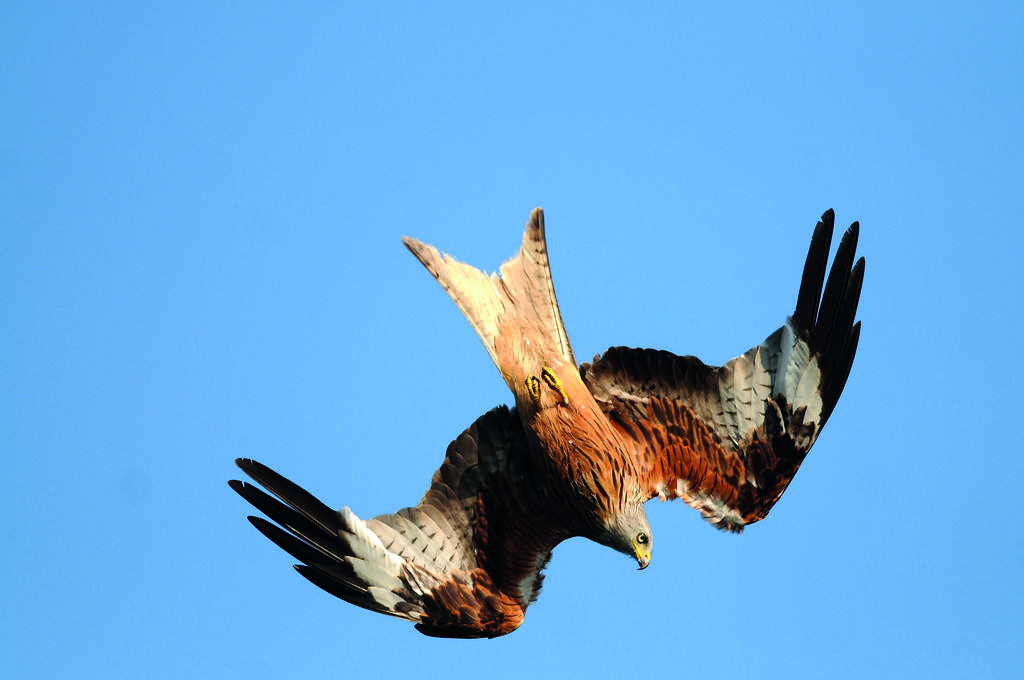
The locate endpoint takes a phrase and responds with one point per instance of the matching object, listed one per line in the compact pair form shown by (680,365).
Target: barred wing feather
(729,439)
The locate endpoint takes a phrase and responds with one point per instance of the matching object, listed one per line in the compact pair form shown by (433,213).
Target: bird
(580,452)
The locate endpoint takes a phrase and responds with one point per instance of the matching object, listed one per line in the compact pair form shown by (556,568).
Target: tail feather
(521,293)
(529,273)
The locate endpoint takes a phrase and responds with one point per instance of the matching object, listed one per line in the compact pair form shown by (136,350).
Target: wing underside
(729,439)
(428,563)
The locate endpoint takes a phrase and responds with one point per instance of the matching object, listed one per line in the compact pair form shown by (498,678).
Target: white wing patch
(782,364)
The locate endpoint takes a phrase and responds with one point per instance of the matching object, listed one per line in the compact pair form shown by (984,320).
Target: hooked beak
(643,559)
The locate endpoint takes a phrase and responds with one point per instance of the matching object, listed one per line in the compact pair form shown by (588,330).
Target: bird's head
(630,534)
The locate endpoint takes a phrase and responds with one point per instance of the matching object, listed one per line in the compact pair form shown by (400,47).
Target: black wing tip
(260,522)
(822,289)
(835,332)
(246,490)
(856,282)
(849,240)
(842,286)
(253,469)
(250,467)
(812,280)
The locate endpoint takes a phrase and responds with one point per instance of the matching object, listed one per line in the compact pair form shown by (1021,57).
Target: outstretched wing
(458,564)
(729,439)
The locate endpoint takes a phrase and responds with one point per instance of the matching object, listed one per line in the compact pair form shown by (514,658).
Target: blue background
(200,260)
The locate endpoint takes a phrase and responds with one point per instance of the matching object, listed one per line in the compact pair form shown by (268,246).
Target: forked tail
(519,299)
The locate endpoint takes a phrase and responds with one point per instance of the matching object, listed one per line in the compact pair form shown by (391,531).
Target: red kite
(582,450)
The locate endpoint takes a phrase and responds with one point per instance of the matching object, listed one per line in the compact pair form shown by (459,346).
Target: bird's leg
(533,387)
(554,383)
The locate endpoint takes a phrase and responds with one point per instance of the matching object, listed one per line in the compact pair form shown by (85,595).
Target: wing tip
(812,280)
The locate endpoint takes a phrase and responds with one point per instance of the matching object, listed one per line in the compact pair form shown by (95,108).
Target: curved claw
(554,383)
(533,387)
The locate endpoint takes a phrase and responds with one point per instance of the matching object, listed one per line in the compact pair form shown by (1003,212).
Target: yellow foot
(554,383)
(533,387)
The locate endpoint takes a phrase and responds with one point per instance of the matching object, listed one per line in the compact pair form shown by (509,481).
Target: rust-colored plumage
(582,451)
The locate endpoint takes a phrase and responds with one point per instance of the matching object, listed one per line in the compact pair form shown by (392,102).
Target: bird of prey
(583,449)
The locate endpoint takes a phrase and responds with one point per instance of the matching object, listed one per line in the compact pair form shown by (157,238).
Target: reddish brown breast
(587,454)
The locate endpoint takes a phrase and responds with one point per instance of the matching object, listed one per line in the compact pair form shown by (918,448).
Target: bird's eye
(641,538)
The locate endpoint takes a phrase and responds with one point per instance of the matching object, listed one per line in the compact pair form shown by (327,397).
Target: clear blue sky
(200,260)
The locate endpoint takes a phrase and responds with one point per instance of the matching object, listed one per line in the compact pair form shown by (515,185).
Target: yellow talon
(533,387)
(554,383)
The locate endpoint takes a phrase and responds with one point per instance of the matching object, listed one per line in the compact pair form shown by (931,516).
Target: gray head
(629,532)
